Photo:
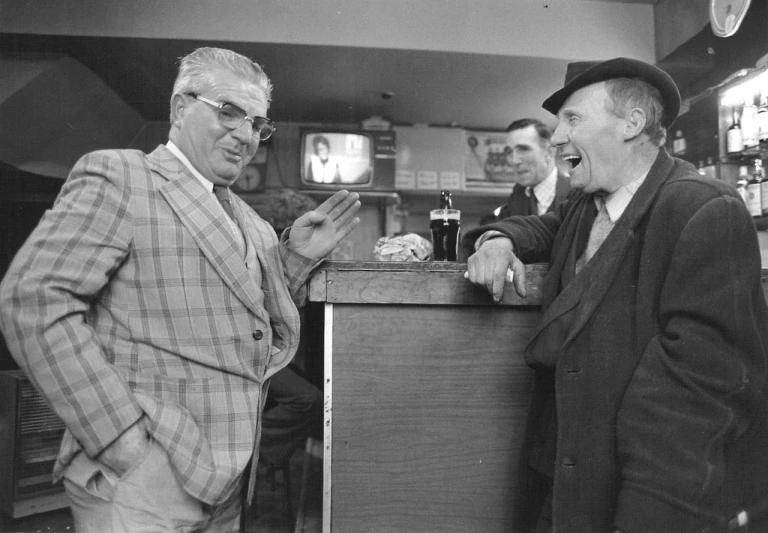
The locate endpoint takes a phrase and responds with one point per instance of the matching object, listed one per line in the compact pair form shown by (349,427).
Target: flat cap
(580,74)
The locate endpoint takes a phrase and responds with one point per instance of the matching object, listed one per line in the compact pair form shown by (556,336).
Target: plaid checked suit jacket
(130,298)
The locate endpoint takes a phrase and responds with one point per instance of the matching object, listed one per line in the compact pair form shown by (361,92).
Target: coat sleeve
(701,376)
(49,289)
(533,236)
(297,270)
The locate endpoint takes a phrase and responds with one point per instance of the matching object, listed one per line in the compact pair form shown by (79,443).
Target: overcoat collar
(198,211)
(588,289)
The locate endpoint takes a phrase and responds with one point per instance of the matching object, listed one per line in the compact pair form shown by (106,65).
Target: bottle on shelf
(754,196)
(759,174)
(749,127)
(446,202)
(679,145)
(708,169)
(734,139)
(741,184)
(762,117)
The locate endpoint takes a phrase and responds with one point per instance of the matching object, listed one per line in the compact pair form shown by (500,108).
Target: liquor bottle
(446,202)
(749,126)
(759,175)
(754,197)
(762,117)
(708,169)
(741,184)
(679,145)
(734,139)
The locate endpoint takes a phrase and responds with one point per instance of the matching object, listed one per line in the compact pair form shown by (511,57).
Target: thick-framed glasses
(232,117)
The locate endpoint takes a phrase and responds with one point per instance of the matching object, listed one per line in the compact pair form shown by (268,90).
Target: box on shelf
(429,158)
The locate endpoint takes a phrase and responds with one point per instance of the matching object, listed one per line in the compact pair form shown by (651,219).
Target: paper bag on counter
(407,247)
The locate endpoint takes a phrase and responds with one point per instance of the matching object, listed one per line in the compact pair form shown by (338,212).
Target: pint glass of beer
(445,224)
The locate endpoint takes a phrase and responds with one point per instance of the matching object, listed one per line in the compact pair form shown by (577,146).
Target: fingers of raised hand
(339,203)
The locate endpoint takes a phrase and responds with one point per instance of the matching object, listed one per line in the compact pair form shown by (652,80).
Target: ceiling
(330,84)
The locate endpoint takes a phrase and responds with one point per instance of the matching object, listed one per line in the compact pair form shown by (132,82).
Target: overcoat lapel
(587,290)
(198,212)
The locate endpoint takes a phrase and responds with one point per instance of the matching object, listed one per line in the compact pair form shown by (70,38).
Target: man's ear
(635,123)
(178,108)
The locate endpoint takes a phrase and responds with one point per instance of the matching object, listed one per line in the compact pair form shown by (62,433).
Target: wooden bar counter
(426,395)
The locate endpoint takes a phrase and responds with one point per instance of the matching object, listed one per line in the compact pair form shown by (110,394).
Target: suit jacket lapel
(562,188)
(198,212)
(517,203)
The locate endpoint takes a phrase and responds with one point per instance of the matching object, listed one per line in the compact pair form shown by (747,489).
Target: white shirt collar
(178,153)
(544,192)
(616,202)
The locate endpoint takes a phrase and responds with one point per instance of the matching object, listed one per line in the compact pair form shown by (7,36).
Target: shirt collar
(616,202)
(544,191)
(178,153)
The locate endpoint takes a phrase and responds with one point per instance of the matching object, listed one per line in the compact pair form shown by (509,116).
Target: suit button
(569,461)
(258,335)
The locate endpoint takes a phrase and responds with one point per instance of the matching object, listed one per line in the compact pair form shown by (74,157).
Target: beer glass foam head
(445,214)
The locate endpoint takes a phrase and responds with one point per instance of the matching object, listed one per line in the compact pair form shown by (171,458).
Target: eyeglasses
(232,117)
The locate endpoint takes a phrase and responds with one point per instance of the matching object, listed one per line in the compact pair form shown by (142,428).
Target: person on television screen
(650,406)
(323,167)
(150,308)
(539,185)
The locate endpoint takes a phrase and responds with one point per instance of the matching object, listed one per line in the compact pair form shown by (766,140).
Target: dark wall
(706,60)
(23,200)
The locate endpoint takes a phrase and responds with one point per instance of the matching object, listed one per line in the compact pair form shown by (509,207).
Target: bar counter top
(425,283)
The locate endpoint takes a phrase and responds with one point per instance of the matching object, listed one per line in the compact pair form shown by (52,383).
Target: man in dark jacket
(539,185)
(650,409)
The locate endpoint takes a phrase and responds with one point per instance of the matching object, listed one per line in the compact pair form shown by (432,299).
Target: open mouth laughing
(572,160)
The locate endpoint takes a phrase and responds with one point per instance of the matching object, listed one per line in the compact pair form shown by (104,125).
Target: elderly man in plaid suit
(150,308)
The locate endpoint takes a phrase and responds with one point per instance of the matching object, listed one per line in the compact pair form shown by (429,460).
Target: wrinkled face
(218,153)
(589,140)
(531,159)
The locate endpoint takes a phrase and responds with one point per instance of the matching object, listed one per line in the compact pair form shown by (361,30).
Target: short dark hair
(320,139)
(543,131)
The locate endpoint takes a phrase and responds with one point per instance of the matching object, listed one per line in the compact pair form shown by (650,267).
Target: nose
(244,132)
(559,137)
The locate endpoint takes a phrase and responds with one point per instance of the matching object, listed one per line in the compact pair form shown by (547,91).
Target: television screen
(337,158)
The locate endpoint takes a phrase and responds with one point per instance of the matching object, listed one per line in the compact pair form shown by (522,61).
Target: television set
(347,159)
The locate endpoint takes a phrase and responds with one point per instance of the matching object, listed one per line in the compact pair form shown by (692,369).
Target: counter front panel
(427,393)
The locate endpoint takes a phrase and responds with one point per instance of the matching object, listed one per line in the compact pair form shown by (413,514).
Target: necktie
(533,204)
(222,194)
(601,227)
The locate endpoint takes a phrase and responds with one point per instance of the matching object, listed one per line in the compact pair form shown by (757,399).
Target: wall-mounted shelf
(747,156)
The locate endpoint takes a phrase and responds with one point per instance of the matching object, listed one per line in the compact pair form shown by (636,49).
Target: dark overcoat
(653,356)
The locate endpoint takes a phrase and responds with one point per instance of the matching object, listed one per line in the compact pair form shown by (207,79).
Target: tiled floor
(267,515)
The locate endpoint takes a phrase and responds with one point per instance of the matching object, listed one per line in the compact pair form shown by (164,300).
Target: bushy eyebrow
(567,113)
